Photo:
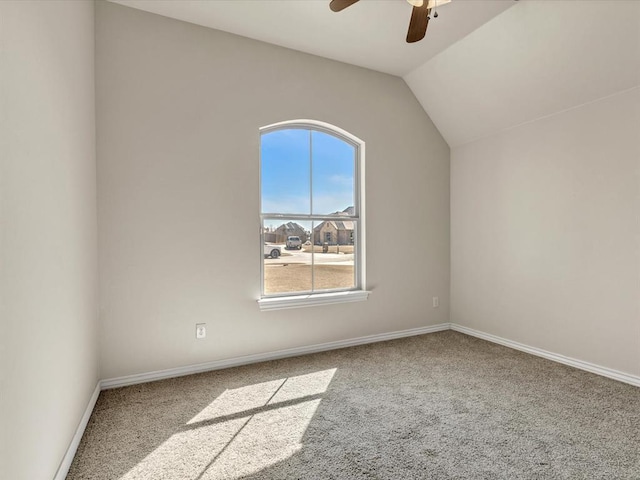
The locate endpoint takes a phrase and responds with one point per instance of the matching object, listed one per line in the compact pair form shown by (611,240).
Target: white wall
(48,353)
(178,111)
(545,235)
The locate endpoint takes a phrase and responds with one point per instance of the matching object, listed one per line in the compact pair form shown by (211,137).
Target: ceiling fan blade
(337,5)
(418,23)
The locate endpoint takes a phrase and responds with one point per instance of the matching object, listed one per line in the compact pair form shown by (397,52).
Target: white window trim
(323,298)
(312,300)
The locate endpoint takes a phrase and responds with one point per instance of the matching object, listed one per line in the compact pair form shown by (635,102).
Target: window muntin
(323,206)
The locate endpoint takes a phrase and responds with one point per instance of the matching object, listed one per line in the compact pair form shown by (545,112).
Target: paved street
(299,256)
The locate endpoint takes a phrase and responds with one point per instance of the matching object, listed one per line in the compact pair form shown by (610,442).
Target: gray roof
(291,226)
(340,224)
(337,224)
(349,211)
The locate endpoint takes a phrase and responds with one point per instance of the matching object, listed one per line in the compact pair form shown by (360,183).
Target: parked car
(293,242)
(273,251)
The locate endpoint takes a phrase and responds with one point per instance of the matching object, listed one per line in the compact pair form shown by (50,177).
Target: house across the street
(280,234)
(335,232)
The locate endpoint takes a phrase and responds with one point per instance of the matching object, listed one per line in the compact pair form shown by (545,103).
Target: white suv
(293,242)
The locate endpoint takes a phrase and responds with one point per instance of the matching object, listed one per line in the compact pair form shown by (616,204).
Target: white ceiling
(369,34)
(536,59)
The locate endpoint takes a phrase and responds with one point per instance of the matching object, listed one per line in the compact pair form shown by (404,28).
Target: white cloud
(342,180)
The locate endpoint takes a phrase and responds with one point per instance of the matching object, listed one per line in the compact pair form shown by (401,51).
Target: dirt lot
(297,277)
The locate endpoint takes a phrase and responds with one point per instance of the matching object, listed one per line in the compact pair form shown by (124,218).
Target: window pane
(288,270)
(333,174)
(334,253)
(285,159)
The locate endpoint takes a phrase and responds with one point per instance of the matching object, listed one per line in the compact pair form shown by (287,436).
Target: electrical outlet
(436,302)
(201,330)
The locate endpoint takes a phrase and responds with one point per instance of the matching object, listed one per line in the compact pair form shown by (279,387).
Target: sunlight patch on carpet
(237,400)
(241,432)
(268,438)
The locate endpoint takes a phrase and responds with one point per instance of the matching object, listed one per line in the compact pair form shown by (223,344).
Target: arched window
(311,214)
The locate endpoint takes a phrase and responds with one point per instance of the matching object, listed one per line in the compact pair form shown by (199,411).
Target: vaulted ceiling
(484,66)
(370,33)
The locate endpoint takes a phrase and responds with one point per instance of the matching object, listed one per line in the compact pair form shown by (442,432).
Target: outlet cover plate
(201,330)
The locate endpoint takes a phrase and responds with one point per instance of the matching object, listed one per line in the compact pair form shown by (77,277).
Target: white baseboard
(263,357)
(572,362)
(63,469)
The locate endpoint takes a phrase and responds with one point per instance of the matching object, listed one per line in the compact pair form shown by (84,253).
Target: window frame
(339,295)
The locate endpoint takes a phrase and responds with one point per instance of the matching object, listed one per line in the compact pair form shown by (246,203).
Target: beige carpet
(438,406)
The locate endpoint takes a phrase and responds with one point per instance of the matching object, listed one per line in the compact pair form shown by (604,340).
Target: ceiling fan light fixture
(430,3)
(421,13)
(436,3)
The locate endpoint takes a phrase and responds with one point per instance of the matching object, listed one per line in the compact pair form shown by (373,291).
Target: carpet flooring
(437,406)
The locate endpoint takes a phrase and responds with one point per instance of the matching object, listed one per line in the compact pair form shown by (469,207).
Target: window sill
(312,300)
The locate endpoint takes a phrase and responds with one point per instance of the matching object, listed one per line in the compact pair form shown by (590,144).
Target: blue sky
(285,158)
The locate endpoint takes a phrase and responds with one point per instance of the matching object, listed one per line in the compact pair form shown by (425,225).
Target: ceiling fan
(420,15)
